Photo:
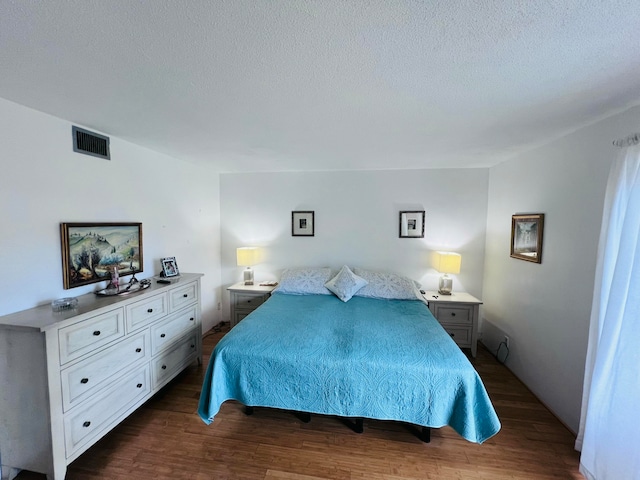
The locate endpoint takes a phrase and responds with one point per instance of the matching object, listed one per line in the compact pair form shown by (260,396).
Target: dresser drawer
(89,419)
(183,296)
(165,332)
(174,359)
(83,337)
(143,313)
(245,301)
(451,314)
(81,379)
(460,335)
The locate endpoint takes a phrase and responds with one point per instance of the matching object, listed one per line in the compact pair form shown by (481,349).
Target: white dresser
(68,378)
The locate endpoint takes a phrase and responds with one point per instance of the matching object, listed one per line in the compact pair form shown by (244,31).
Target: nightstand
(458,314)
(246,298)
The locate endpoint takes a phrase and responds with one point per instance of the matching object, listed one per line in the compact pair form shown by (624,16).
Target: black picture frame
(412,224)
(303,223)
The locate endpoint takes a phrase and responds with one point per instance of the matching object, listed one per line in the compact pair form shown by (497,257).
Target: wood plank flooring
(165,439)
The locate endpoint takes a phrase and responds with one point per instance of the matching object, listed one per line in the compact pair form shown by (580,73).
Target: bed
(367,357)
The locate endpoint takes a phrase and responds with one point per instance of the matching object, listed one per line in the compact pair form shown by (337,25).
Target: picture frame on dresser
(303,224)
(526,237)
(169,267)
(90,251)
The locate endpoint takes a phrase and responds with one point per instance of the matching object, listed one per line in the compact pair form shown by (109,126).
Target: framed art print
(90,251)
(412,224)
(302,224)
(526,237)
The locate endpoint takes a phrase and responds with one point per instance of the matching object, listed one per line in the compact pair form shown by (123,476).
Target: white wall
(45,183)
(545,308)
(357,221)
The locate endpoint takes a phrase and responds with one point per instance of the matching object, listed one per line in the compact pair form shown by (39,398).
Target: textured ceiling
(252,85)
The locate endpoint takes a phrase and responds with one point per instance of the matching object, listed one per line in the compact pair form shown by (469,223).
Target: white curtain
(609,435)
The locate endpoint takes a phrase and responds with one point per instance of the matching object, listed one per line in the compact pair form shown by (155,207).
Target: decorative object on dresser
(247,257)
(69,377)
(526,237)
(446,263)
(458,314)
(169,267)
(246,298)
(303,224)
(412,224)
(90,251)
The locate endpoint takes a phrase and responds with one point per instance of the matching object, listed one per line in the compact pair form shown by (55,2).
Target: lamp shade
(448,262)
(247,256)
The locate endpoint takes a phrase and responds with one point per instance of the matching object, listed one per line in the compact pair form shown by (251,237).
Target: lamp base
(248,276)
(445,285)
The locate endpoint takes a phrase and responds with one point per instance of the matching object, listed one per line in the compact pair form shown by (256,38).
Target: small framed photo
(526,237)
(302,224)
(169,267)
(412,224)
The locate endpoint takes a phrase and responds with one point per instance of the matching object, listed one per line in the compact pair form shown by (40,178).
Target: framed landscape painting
(90,251)
(526,237)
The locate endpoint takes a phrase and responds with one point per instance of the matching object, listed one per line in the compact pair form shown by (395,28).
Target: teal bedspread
(380,359)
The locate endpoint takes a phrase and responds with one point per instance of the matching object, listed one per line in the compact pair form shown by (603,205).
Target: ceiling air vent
(90,143)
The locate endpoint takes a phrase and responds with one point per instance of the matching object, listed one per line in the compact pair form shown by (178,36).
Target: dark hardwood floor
(165,439)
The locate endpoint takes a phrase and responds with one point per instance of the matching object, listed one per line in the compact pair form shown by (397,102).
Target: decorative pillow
(345,284)
(304,281)
(387,286)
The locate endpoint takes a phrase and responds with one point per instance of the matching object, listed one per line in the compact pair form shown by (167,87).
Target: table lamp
(247,257)
(447,262)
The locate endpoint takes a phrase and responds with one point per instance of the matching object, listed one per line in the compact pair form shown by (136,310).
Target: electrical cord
(215,329)
(499,352)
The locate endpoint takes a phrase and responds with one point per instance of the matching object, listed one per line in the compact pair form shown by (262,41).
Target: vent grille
(90,143)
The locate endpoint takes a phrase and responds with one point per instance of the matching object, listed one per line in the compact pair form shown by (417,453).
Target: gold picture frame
(526,237)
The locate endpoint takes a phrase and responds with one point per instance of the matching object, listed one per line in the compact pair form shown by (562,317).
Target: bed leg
(359,425)
(305,417)
(425,434)
(248,410)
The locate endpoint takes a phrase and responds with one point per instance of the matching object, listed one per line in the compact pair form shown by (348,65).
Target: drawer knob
(193,346)
(84,380)
(139,385)
(191,319)
(150,310)
(185,295)
(248,301)
(96,333)
(138,350)
(453,314)
(162,335)
(164,367)
(86,424)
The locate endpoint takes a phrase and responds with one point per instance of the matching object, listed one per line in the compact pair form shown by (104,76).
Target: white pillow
(345,284)
(387,286)
(304,281)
